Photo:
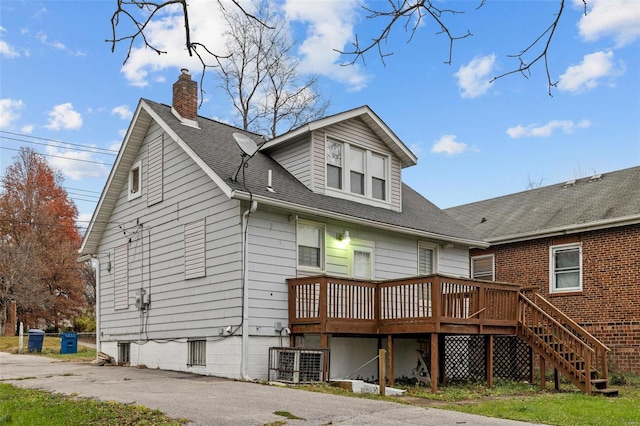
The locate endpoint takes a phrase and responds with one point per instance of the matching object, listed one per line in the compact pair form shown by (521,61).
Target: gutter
(571,229)
(379,225)
(244,362)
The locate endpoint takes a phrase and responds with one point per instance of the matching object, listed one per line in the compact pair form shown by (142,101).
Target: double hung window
(565,268)
(426,259)
(357,171)
(310,245)
(482,268)
(135,181)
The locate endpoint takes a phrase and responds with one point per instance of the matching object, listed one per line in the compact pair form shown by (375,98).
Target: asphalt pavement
(213,401)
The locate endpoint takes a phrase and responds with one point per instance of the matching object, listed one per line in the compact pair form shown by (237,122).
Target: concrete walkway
(214,401)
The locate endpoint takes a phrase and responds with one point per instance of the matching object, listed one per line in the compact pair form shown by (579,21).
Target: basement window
(565,268)
(197,353)
(135,181)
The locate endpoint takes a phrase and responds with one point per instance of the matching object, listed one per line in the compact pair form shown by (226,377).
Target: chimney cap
(184,71)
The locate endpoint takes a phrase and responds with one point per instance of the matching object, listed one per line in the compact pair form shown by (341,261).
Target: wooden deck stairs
(562,343)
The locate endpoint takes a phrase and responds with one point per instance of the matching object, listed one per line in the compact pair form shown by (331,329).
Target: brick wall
(608,305)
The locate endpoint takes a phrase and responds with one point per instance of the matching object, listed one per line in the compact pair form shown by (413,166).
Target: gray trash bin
(36,337)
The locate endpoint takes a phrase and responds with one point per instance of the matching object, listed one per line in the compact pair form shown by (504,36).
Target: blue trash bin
(68,343)
(36,337)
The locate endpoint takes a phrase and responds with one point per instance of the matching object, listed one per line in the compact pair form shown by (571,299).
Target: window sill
(566,293)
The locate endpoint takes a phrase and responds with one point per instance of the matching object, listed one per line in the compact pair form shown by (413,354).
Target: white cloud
(166,33)
(7,50)
(447,144)
(588,74)
(44,39)
(63,116)
(618,19)
(76,165)
(83,220)
(27,128)
(115,146)
(123,112)
(473,78)
(544,131)
(9,111)
(329,28)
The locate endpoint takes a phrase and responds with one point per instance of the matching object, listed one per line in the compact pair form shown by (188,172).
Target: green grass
(524,402)
(562,409)
(50,348)
(27,407)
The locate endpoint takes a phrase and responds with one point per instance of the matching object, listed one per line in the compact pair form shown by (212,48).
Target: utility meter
(142,300)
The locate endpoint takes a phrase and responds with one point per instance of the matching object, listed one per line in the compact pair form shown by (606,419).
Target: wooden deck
(417,305)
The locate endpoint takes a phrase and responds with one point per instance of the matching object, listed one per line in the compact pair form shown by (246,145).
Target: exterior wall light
(344,237)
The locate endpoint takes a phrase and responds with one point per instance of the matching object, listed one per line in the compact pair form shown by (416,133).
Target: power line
(83,190)
(65,158)
(86,147)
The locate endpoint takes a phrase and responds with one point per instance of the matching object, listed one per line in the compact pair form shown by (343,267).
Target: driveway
(214,401)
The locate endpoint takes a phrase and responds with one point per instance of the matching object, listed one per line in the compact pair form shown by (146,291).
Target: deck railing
(329,304)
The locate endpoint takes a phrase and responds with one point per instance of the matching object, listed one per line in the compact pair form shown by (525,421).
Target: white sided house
(195,240)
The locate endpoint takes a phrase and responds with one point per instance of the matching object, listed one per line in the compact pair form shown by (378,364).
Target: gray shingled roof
(214,144)
(604,200)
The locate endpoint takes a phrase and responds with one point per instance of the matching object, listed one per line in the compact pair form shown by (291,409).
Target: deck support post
(434,362)
(382,373)
(390,368)
(324,343)
(556,379)
(488,342)
(543,374)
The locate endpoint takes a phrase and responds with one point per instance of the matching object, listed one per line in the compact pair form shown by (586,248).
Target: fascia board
(563,230)
(410,159)
(99,210)
(360,221)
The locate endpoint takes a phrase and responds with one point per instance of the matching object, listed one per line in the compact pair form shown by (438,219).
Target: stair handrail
(600,348)
(576,327)
(557,323)
(580,342)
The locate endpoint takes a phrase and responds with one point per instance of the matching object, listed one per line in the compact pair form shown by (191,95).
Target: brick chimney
(185,96)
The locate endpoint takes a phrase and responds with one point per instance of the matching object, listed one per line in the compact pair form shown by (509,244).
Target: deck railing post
(322,303)
(436,296)
(482,304)
(377,305)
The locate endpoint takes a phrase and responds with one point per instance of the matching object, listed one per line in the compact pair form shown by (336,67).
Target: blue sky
(59,81)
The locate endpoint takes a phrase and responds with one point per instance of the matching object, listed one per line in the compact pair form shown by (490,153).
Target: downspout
(98,340)
(245,292)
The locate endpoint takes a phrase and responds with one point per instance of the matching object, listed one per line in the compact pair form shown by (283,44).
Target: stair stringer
(574,352)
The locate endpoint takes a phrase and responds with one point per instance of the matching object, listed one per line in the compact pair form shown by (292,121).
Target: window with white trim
(565,268)
(135,181)
(310,240)
(378,177)
(358,171)
(427,260)
(482,267)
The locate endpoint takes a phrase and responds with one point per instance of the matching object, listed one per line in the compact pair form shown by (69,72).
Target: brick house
(578,245)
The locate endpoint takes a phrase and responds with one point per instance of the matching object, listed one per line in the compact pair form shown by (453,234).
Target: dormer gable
(352,155)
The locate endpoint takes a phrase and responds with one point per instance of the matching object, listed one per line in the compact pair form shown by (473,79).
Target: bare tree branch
(412,13)
(545,38)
